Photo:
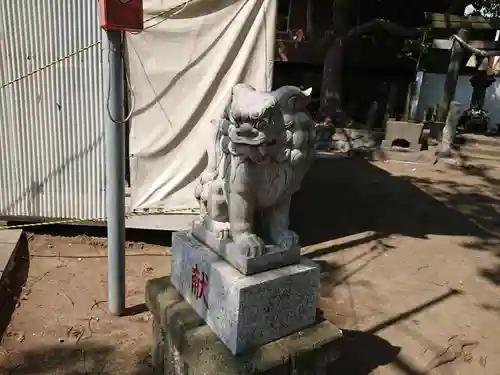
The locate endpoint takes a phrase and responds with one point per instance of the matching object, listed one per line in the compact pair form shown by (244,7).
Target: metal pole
(115,168)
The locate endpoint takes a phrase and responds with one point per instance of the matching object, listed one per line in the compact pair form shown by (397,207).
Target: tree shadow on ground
(345,197)
(479,203)
(150,236)
(362,352)
(66,359)
(73,359)
(342,198)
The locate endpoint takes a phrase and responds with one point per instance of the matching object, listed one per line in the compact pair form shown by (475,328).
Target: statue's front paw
(286,239)
(251,245)
(222,230)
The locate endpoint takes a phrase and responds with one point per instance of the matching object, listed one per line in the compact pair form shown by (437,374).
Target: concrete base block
(410,131)
(184,345)
(404,156)
(244,311)
(13,246)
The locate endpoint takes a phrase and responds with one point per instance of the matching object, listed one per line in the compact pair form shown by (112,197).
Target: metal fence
(52,136)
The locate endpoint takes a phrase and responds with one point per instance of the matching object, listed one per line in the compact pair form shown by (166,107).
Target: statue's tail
(215,157)
(293,99)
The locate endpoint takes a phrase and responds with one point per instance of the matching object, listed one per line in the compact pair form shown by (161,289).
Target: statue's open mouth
(254,138)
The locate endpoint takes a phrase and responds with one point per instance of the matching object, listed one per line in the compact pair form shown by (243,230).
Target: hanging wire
(180,9)
(421,50)
(132,94)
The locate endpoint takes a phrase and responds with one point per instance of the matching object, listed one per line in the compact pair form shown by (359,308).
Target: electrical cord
(176,12)
(181,7)
(127,78)
(422,46)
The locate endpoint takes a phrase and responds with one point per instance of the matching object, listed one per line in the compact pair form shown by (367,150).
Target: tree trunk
(450,127)
(331,90)
(310,19)
(331,87)
(450,130)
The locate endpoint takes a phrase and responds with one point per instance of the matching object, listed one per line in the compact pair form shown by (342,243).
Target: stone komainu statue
(261,150)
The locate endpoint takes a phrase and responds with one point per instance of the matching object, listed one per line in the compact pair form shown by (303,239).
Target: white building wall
(432,88)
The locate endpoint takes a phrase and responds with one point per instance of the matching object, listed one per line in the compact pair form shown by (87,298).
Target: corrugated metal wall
(51,139)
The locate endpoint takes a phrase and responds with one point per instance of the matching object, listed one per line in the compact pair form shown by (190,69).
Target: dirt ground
(410,268)
(61,324)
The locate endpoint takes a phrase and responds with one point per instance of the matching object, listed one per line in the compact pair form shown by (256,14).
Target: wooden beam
(480,44)
(448,21)
(476,51)
(382,24)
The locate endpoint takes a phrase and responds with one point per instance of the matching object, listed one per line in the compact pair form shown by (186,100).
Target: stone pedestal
(185,345)
(244,311)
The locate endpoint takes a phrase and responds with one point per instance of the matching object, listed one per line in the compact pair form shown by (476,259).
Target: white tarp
(182,68)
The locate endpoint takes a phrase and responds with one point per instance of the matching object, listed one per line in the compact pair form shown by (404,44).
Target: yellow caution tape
(130,214)
(4,85)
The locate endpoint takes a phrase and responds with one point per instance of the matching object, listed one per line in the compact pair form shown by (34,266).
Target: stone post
(450,84)
(449,130)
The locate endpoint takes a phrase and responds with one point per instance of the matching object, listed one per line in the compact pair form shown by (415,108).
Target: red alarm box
(123,15)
